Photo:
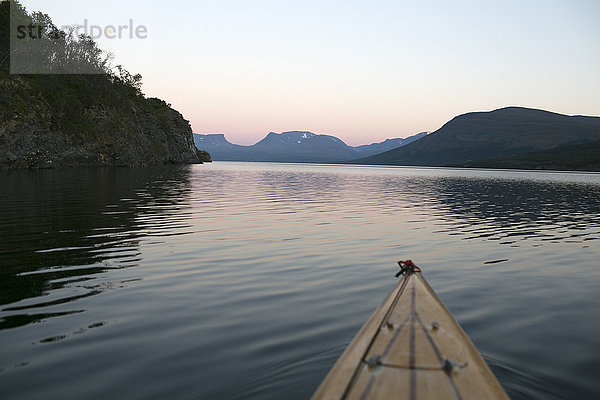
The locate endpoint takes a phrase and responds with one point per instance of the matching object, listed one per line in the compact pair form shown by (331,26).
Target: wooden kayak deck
(411,348)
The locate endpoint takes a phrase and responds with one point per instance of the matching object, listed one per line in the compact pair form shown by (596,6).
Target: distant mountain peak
(212,140)
(515,111)
(296,135)
(210,134)
(296,138)
(302,133)
(293,133)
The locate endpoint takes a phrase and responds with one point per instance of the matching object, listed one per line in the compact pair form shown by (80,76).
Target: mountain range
(510,137)
(295,146)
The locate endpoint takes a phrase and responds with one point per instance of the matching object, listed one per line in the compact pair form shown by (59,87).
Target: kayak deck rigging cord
(406,267)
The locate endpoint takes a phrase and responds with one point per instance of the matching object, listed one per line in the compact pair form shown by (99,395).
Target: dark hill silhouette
(575,157)
(500,133)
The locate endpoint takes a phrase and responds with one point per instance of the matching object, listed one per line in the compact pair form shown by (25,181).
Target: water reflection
(512,211)
(62,229)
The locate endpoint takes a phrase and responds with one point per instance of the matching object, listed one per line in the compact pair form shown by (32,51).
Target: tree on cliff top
(44,48)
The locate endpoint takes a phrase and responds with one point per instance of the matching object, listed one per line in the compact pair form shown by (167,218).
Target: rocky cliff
(68,130)
(59,118)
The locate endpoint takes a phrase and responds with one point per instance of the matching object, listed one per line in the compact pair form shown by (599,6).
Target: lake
(248,280)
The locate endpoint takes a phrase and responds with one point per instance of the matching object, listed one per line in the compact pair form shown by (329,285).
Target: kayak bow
(411,348)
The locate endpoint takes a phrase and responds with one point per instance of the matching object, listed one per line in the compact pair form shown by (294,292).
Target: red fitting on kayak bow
(406,267)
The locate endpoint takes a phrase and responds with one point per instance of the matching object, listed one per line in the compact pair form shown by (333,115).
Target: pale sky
(362,71)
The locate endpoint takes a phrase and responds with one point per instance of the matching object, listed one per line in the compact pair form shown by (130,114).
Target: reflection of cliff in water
(62,228)
(517,210)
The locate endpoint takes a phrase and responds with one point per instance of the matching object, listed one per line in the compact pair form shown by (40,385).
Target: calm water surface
(248,280)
